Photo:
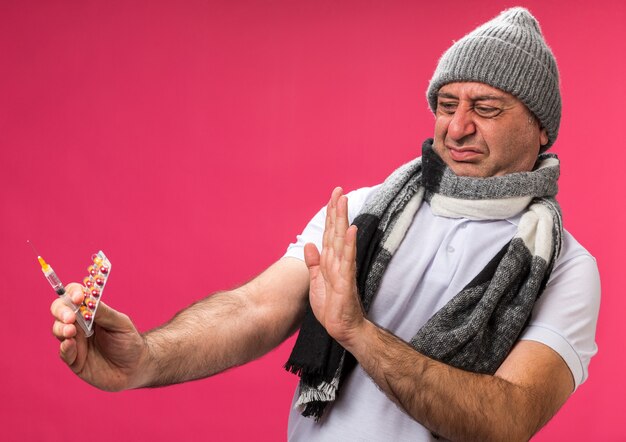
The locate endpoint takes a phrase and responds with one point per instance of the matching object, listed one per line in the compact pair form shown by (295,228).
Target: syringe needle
(33,247)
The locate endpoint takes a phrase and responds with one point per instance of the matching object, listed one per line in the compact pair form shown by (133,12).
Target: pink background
(191,141)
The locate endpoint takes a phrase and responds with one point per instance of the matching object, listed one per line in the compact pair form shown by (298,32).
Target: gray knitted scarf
(477,328)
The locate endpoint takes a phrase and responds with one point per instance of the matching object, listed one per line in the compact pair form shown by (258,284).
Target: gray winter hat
(508,53)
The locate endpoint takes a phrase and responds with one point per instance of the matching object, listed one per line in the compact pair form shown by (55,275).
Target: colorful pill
(87,301)
(104,270)
(95,293)
(100,281)
(91,305)
(87,316)
(92,271)
(87,282)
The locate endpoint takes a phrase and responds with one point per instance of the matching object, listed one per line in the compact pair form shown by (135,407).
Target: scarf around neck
(477,328)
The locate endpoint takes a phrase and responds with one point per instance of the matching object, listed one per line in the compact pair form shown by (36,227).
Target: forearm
(227,329)
(203,339)
(456,404)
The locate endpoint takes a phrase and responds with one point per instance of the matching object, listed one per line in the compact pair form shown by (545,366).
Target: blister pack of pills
(93,287)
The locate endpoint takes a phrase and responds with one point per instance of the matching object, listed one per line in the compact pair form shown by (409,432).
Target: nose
(462,124)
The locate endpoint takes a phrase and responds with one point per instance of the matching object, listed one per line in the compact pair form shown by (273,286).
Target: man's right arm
(221,331)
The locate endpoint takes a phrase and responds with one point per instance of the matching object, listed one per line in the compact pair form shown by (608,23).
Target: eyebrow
(477,98)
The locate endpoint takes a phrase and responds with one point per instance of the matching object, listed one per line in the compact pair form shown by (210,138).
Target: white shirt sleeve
(565,316)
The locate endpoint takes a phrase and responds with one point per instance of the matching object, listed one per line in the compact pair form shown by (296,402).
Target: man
(454,294)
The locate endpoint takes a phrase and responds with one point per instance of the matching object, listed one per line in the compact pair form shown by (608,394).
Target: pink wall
(176,137)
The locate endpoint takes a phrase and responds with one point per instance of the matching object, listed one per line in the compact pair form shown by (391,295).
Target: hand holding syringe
(93,286)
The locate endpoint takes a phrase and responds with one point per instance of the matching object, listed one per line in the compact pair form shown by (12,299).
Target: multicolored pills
(93,286)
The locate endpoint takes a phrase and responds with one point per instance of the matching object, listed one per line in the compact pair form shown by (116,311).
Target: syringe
(48,272)
(52,277)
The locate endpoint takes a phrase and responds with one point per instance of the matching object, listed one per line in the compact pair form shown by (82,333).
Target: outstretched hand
(333,291)
(111,358)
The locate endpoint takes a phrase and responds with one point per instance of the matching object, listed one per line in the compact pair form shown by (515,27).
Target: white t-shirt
(438,257)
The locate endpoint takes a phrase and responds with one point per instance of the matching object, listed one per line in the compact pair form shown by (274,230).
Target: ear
(543,137)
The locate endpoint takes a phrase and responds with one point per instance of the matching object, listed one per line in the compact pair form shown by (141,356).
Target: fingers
(329,227)
(74,292)
(348,262)
(340,225)
(337,263)
(63,331)
(311,255)
(68,351)
(64,328)
(335,229)
(62,311)
(317,292)
(333,294)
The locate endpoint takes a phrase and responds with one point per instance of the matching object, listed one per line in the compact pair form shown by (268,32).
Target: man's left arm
(526,391)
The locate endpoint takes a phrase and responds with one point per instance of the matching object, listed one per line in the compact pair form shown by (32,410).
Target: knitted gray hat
(508,53)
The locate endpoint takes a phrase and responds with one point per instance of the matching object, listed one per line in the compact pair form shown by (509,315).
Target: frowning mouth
(464,153)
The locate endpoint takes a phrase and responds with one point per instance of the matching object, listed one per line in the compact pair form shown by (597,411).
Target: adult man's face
(481,131)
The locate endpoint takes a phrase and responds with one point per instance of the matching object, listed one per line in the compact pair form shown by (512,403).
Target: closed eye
(448,107)
(487,111)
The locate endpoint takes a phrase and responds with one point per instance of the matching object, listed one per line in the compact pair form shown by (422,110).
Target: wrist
(146,370)
(359,342)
